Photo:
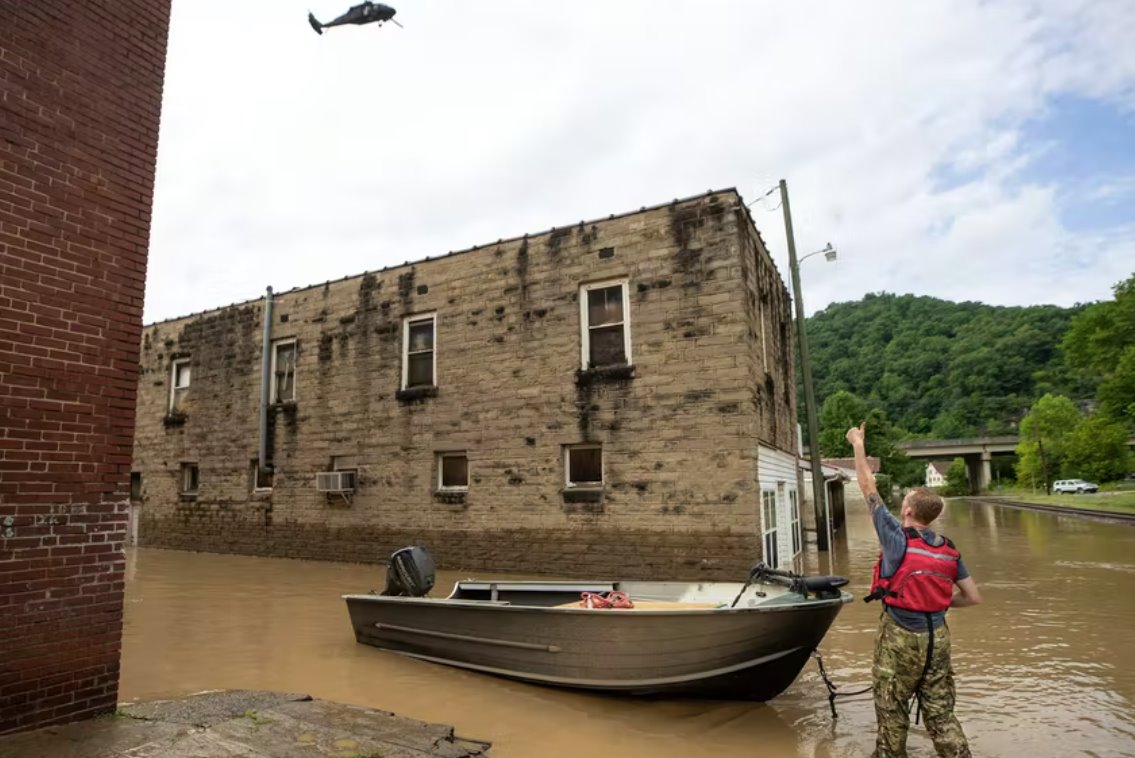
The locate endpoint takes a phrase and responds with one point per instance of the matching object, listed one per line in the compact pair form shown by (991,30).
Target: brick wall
(80,94)
(679,438)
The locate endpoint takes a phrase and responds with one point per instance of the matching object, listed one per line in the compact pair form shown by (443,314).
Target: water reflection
(1046,666)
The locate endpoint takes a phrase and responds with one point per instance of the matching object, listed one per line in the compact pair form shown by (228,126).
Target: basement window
(188,480)
(284,371)
(419,358)
(583,467)
(452,472)
(259,479)
(179,384)
(606,326)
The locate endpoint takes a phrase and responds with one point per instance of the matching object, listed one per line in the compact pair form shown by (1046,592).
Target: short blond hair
(925,505)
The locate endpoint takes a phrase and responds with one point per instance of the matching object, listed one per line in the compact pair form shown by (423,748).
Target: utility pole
(819,501)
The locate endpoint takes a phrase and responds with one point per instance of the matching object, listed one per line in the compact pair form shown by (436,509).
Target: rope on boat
(833,691)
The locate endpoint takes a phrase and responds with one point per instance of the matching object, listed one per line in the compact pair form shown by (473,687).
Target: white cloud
(287,158)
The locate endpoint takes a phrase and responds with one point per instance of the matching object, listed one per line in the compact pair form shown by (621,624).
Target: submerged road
(1046,667)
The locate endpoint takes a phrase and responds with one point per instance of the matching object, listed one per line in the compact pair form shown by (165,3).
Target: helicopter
(365,13)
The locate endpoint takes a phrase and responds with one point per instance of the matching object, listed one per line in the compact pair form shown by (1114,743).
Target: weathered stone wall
(768,313)
(679,437)
(80,96)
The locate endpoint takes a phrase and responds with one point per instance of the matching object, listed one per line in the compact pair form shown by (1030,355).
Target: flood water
(1046,667)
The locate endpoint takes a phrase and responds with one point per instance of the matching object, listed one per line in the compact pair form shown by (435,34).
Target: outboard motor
(823,587)
(410,573)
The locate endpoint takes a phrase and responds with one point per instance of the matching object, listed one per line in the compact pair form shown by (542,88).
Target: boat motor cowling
(410,573)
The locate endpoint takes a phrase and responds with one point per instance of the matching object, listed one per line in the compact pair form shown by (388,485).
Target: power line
(773,189)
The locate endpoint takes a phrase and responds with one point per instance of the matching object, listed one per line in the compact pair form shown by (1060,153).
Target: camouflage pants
(900,656)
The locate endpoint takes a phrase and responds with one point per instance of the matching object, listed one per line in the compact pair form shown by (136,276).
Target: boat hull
(736,654)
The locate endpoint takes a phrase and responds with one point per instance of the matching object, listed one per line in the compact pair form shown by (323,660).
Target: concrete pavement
(244,724)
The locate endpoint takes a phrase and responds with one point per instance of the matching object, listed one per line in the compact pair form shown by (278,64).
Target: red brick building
(80,98)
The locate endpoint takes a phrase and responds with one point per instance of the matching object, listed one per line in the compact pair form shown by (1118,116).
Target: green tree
(1116,395)
(1096,450)
(886,487)
(840,412)
(1044,434)
(843,410)
(1102,331)
(957,478)
(944,369)
(1101,343)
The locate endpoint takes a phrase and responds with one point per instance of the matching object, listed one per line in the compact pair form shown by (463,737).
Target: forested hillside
(944,369)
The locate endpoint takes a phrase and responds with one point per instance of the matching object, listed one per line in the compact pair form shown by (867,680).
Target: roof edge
(462,251)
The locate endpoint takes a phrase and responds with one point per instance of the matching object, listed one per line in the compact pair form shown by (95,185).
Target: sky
(960,149)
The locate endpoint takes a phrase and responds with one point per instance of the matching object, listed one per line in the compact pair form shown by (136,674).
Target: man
(915,578)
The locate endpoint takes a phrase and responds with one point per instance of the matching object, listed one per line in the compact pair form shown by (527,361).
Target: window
(347,464)
(419,359)
(189,479)
(452,472)
(606,333)
(135,485)
(284,372)
(794,522)
(769,528)
(259,479)
(179,384)
(583,466)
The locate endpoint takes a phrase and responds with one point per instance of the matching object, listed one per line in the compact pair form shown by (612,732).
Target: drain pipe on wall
(265,381)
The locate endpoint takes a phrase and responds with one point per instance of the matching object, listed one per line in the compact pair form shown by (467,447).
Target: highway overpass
(977,452)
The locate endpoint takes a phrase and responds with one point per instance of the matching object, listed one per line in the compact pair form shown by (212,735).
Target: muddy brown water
(1046,667)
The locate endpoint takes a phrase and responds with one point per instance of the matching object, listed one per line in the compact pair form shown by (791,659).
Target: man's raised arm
(863,475)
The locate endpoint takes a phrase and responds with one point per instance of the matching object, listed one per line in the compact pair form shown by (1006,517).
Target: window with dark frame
(284,372)
(584,466)
(347,464)
(259,479)
(190,479)
(453,472)
(180,374)
(606,328)
(418,353)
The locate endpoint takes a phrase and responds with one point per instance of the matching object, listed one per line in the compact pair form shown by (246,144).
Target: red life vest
(924,580)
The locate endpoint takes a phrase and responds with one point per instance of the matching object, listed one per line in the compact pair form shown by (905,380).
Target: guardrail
(1065,510)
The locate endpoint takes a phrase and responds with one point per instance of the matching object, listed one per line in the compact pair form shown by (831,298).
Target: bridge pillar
(973,473)
(986,479)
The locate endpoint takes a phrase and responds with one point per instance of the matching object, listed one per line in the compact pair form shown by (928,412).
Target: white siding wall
(933,478)
(776,471)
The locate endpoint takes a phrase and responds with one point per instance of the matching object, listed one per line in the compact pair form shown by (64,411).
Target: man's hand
(856,435)
(968,594)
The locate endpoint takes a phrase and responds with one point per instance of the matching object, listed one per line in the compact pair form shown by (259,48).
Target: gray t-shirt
(893,539)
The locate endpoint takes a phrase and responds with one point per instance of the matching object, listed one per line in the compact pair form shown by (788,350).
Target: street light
(829,252)
(819,496)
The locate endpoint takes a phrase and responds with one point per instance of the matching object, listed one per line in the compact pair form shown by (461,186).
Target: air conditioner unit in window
(341,482)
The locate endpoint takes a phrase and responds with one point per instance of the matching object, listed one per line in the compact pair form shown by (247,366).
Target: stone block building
(610,398)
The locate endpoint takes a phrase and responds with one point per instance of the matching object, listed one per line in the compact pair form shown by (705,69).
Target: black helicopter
(366,13)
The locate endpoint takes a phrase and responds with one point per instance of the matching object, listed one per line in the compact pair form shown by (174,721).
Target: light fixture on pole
(830,254)
(819,496)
